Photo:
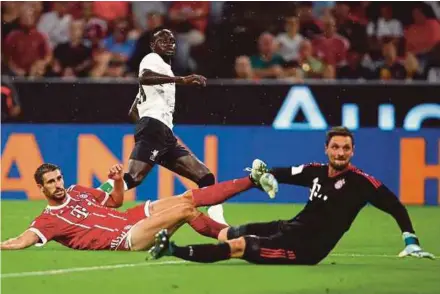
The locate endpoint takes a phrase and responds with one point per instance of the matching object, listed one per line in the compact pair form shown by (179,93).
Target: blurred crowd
(244,40)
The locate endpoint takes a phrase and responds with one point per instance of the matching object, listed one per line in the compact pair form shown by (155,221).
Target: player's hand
(116,172)
(194,80)
(413,248)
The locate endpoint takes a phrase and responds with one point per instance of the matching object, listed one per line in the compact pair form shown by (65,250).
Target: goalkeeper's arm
(388,202)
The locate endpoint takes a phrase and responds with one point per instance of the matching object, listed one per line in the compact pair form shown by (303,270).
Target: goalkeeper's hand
(412,247)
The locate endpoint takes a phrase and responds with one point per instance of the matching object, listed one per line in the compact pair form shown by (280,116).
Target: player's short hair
(156,32)
(42,169)
(338,131)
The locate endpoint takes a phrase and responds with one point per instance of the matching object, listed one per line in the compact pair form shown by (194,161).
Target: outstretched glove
(412,247)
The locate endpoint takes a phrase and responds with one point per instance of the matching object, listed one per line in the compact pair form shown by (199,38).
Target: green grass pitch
(363,262)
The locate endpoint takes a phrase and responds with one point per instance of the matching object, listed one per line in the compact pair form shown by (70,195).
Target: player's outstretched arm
(27,239)
(149,77)
(116,173)
(388,202)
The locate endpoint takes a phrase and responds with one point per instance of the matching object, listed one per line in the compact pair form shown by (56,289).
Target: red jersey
(84,222)
(331,50)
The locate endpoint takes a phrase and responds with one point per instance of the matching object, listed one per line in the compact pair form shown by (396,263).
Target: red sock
(206,226)
(220,192)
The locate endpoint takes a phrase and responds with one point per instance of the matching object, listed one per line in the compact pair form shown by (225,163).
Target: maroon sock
(206,226)
(220,192)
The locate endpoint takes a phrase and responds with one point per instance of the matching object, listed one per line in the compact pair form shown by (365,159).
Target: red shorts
(122,241)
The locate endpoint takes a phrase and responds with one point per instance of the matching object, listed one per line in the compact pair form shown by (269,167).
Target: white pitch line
(116,266)
(86,269)
(363,255)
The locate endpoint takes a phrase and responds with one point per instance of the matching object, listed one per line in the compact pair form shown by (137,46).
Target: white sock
(216,213)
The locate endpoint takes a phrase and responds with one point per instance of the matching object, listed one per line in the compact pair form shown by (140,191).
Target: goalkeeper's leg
(258,250)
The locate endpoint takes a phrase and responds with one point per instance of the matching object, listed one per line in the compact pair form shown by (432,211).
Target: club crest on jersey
(339,184)
(154,154)
(83,196)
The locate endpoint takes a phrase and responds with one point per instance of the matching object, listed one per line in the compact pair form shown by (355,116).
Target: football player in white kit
(153,110)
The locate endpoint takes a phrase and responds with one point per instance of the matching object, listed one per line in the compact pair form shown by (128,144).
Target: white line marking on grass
(86,269)
(362,255)
(116,266)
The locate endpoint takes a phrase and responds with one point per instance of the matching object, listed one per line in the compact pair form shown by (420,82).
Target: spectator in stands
(390,68)
(322,8)
(330,46)
(94,36)
(142,47)
(110,11)
(188,21)
(386,25)
(432,68)
(412,67)
(26,49)
(38,7)
(10,13)
(56,24)
(329,72)
(73,59)
(120,46)
(354,70)
(359,12)
(423,34)
(118,43)
(290,41)
(309,26)
(141,11)
(267,63)
(91,19)
(243,68)
(309,67)
(384,29)
(10,103)
(349,27)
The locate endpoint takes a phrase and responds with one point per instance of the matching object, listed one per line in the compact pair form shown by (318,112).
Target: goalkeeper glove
(412,247)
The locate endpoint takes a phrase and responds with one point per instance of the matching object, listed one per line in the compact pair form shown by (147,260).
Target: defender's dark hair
(338,131)
(42,169)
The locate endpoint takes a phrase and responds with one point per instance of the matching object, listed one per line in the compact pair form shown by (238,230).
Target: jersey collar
(62,205)
(349,167)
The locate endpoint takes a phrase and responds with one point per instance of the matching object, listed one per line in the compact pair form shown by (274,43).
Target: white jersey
(157,101)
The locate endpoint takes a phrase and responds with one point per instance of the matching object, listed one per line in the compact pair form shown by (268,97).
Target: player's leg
(141,236)
(179,160)
(263,229)
(149,146)
(259,250)
(201,223)
(215,194)
(211,195)
(207,196)
(137,171)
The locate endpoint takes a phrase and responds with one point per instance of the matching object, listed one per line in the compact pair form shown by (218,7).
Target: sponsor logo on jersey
(314,192)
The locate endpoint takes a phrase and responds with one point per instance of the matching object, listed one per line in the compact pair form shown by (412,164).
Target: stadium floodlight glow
(299,97)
